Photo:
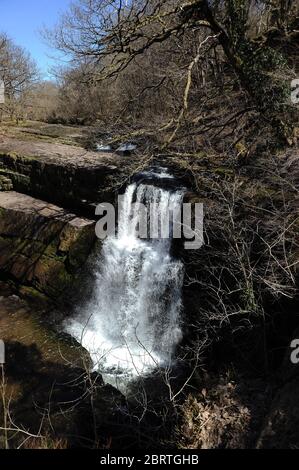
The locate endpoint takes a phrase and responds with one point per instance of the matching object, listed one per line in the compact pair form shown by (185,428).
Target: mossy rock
(42,246)
(51,276)
(34,296)
(5,183)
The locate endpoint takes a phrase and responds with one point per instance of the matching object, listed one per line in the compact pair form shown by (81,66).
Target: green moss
(19,244)
(33,295)
(14,246)
(80,250)
(19,181)
(51,250)
(15,157)
(32,248)
(201,154)
(224,171)
(63,280)
(51,276)
(5,183)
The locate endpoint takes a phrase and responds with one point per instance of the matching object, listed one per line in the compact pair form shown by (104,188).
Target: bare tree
(115,37)
(18,72)
(43,99)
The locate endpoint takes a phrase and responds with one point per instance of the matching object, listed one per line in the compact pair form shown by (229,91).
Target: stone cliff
(64,174)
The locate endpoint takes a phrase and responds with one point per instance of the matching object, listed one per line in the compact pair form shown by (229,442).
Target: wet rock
(104,148)
(49,388)
(126,149)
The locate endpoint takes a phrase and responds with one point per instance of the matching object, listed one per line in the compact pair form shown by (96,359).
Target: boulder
(42,246)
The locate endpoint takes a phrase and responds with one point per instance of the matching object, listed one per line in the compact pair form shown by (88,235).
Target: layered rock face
(42,246)
(63,174)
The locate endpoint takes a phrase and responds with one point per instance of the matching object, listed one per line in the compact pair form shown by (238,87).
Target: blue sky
(22,20)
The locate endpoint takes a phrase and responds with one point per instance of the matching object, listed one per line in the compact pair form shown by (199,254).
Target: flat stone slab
(60,154)
(17,202)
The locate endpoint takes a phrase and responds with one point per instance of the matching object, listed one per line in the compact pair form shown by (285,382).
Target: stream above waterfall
(131,324)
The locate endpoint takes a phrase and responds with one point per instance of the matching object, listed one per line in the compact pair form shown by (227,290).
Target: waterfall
(131,325)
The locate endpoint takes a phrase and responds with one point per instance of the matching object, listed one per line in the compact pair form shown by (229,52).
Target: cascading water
(132,323)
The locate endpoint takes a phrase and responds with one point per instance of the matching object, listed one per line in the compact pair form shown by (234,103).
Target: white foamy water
(131,325)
